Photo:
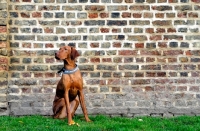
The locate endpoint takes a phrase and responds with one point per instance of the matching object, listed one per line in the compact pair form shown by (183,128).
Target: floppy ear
(74,53)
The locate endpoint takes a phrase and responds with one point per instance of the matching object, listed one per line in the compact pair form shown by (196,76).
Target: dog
(69,91)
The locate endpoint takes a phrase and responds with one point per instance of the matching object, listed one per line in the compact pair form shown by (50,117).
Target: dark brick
(115,15)
(183,7)
(95,74)
(17,67)
(94,22)
(59,15)
(37,30)
(106,74)
(116,22)
(182,30)
(184,45)
(139,22)
(37,68)
(183,74)
(14,14)
(173,44)
(161,8)
(139,1)
(151,45)
(24,37)
(26,60)
(86,67)
(83,1)
(106,67)
(128,67)
(195,59)
(151,67)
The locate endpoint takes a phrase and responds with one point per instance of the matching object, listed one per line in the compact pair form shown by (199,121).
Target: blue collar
(64,71)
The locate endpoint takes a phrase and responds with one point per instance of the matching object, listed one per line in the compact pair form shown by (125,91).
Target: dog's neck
(69,64)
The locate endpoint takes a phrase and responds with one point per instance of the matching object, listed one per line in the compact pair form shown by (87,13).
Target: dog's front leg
(83,106)
(69,116)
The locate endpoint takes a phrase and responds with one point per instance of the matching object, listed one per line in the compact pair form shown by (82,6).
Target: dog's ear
(74,53)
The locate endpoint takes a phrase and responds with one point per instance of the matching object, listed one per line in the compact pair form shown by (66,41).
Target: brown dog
(69,87)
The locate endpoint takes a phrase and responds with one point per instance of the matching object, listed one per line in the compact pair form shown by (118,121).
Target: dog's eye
(65,49)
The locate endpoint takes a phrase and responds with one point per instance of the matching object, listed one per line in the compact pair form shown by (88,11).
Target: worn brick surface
(137,57)
(4,59)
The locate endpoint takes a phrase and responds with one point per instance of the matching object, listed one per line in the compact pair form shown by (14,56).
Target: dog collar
(65,71)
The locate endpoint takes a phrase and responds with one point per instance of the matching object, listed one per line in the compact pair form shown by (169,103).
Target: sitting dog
(69,91)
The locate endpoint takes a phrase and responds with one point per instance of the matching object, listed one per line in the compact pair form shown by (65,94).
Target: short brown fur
(69,91)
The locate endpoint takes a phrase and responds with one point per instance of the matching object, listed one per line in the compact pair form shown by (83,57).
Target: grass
(100,123)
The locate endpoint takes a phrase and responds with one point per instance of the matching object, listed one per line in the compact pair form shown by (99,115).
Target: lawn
(100,123)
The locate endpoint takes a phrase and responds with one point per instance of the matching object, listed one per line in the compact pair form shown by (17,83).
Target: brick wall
(4,59)
(137,57)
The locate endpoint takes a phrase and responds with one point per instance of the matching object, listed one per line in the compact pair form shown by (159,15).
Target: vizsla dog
(69,88)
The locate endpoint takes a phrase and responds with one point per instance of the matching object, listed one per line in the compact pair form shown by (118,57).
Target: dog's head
(66,52)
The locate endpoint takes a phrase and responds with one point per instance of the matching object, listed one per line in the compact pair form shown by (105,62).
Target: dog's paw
(71,123)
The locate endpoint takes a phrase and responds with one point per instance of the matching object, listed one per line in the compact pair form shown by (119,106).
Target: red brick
(48,30)
(3,60)
(155,37)
(49,45)
(196,1)
(172,52)
(129,1)
(161,60)
(93,15)
(25,15)
(194,88)
(182,14)
(128,52)
(3,29)
(149,30)
(188,52)
(36,15)
(26,74)
(104,15)
(95,60)
(171,60)
(160,30)
(139,45)
(149,88)
(116,30)
(159,15)
(26,45)
(137,15)
(149,52)
(161,74)
(150,74)
(106,60)
(113,81)
(171,30)
(162,44)
(148,15)
(193,15)
(104,30)
(115,89)
(126,15)
(150,59)
(26,90)
(49,74)
(26,0)
(49,60)
(94,45)
(3,44)
(3,67)
(117,44)
(38,75)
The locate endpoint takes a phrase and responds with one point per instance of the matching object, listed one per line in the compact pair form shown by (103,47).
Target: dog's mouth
(57,58)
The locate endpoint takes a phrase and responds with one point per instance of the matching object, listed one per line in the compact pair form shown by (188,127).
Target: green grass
(100,123)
